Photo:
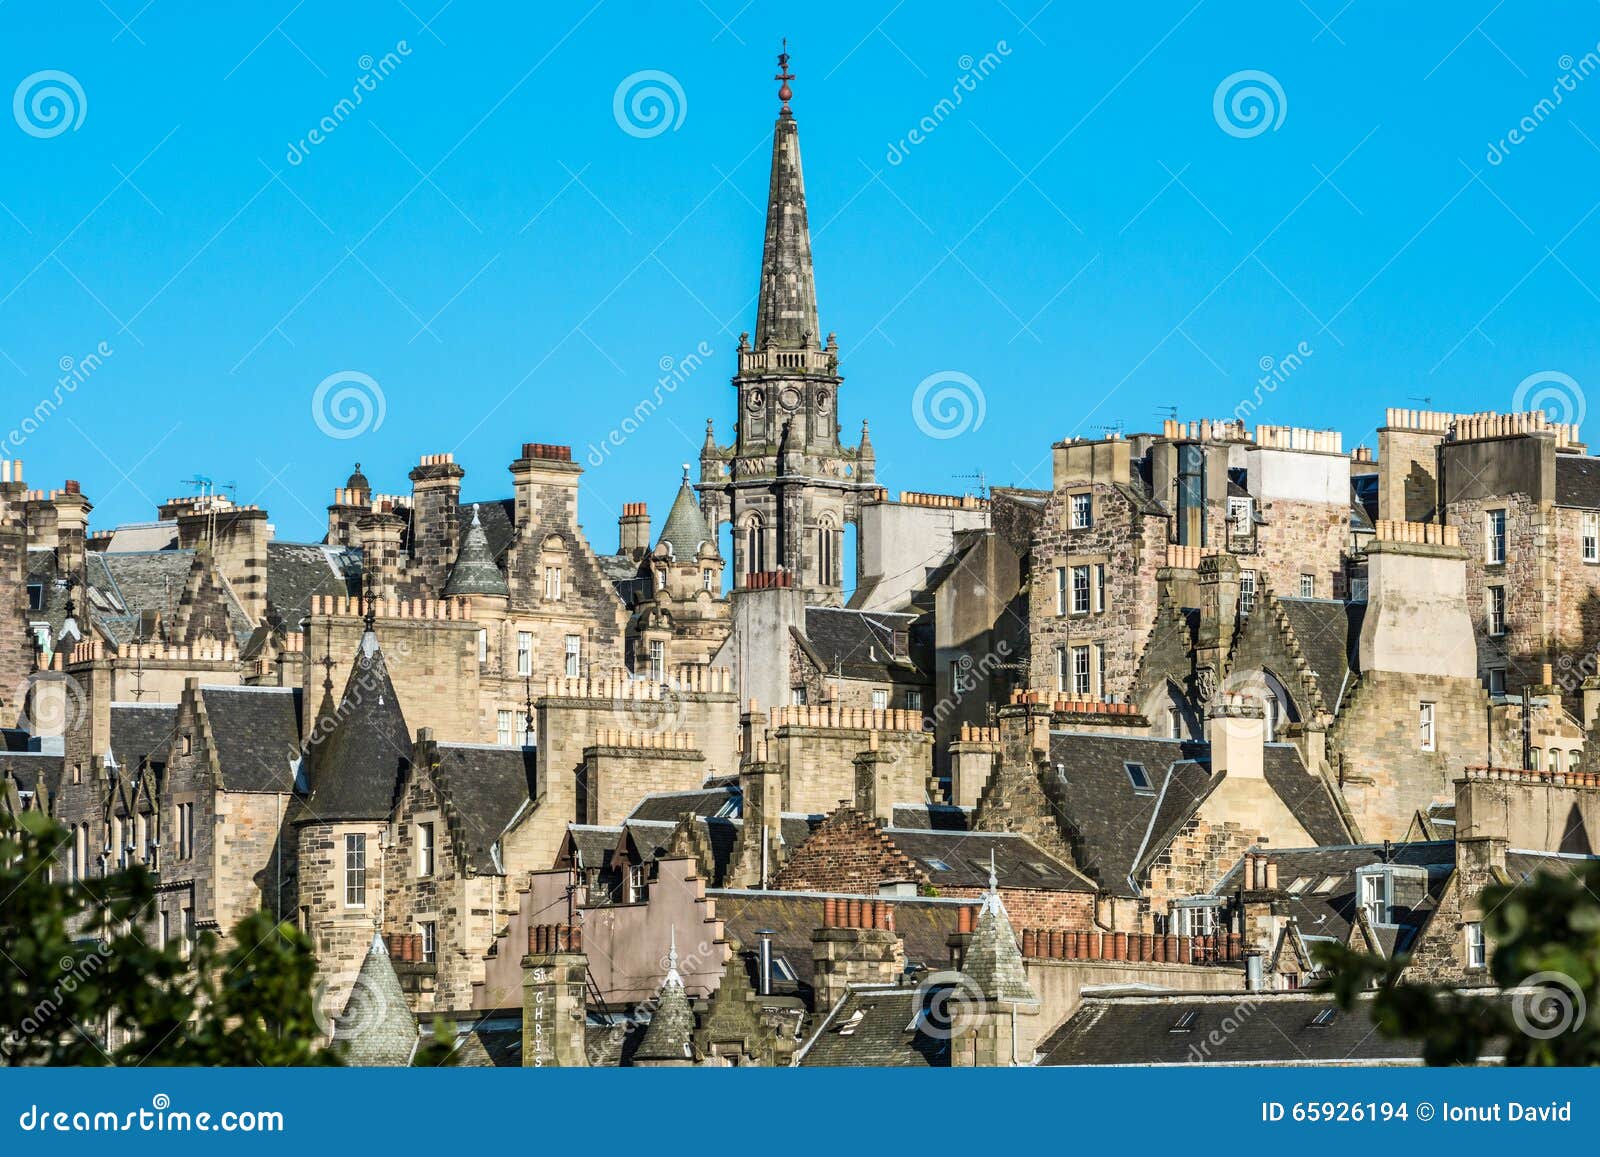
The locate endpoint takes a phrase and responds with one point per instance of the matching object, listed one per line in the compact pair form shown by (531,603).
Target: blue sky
(482,239)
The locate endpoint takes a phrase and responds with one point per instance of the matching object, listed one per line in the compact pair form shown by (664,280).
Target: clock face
(756,400)
(789,399)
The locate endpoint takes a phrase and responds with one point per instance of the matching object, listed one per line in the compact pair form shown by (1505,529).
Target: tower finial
(785,93)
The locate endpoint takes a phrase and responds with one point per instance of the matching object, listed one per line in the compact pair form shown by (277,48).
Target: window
(1239,510)
(505,728)
(1477,949)
(708,579)
(1494,536)
(185,830)
(355,870)
(755,558)
(1063,678)
(636,884)
(188,932)
(164,929)
(1080,590)
(1138,776)
(1061,590)
(1324,1017)
(1273,713)
(880,699)
(425,850)
(1425,733)
(658,661)
(552,583)
(1374,897)
(483,644)
(1497,681)
(1247,591)
(913,700)
(524,652)
(1591,536)
(1308,586)
(661,577)
(825,561)
(1175,723)
(1082,511)
(1574,757)
(1358,588)
(1080,671)
(1534,756)
(1099,586)
(574,656)
(525,729)
(961,678)
(1185,1022)
(1497,610)
(430,941)
(797,696)
(1194,919)
(36,596)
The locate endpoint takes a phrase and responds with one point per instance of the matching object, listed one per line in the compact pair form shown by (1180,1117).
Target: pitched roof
(1329,634)
(123,585)
(297,571)
(670,1033)
(140,730)
(879,1027)
(475,571)
(257,731)
(1307,796)
(932,817)
(376,1027)
(860,644)
(725,801)
(356,765)
(496,516)
(1578,481)
(962,859)
(686,527)
(483,787)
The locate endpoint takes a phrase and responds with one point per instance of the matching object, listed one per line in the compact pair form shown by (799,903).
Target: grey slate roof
(961,860)
(670,1033)
(497,519)
(1228,1028)
(666,807)
(257,730)
(297,571)
(356,766)
(485,786)
(1578,481)
(376,1027)
(122,585)
(993,960)
(1307,796)
(1328,632)
(860,644)
(932,817)
(141,730)
(686,527)
(475,571)
(877,1027)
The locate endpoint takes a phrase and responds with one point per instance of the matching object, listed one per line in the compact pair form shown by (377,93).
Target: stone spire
(668,1037)
(787,315)
(475,572)
(376,1027)
(994,961)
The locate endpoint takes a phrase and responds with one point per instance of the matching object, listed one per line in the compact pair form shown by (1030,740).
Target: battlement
(1187,557)
(1483,424)
(351,607)
(1524,775)
(1429,533)
(832,716)
(644,740)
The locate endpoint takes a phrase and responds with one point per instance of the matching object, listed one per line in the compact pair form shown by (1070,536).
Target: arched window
(755,554)
(827,558)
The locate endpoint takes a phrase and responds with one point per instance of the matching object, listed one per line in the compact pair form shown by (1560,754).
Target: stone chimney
(856,944)
(237,537)
(543,477)
(973,755)
(1236,729)
(72,527)
(554,979)
(766,608)
(633,530)
(435,521)
(761,784)
(379,535)
(872,782)
(1417,621)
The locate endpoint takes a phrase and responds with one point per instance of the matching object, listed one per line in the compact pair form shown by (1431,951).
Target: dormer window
(1240,513)
(1195,916)
(36,596)
(1384,891)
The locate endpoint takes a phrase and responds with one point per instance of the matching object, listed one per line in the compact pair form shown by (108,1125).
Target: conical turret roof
(686,526)
(376,1027)
(359,752)
(475,572)
(994,960)
(669,1035)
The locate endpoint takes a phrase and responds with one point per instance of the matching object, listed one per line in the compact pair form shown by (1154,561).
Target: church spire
(787,313)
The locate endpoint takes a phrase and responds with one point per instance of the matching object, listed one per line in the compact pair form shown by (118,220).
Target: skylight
(1185,1022)
(1324,1017)
(1138,776)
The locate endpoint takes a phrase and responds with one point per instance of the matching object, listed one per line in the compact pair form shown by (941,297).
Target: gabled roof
(483,787)
(140,731)
(860,644)
(960,859)
(667,806)
(1329,634)
(878,1027)
(356,765)
(1578,481)
(123,585)
(257,733)
(298,571)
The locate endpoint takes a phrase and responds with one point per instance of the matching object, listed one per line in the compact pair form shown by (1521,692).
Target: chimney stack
(1236,730)
(554,978)
(633,530)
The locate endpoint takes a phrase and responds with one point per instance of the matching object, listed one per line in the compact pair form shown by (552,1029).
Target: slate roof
(993,960)
(1109,818)
(297,571)
(860,644)
(932,817)
(140,730)
(1307,796)
(962,859)
(924,924)
(356,765)
(1329,633)
(376,1028)
(1578,481)
(484,786)
(475,571)
(257,731)
(670,1033)
(1326,904)
(1269,1028)
(686,527)
(124,584)
(27,766)
(878,1027)
(497,518)
(669,805)
(158,535)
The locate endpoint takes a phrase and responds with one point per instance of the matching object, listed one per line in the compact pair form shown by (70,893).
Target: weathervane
(785,94)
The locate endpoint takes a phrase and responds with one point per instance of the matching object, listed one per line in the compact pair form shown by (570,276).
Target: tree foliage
(1543,937)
